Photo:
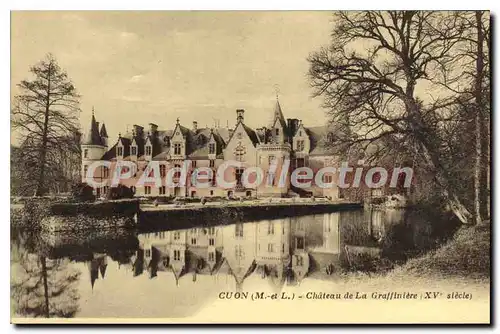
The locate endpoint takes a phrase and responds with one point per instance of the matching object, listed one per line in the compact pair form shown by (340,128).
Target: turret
(278,125)
(93,146)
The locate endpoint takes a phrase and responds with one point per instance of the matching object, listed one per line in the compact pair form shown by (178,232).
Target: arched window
(330,137)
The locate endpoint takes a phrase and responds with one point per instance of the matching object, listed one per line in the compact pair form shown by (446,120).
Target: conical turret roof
(93,137)
(103,132)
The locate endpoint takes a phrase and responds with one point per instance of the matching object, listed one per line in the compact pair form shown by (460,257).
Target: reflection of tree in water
(41,287)
(421,230)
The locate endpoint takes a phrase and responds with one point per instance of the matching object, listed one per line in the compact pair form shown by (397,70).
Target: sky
(154,67)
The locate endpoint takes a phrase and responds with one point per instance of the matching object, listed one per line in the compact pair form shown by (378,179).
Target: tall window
(270,228)
(239,152)
(177,149)
(211,241)
(177,173)
(149,150)
(105,172)
(163,170)
(85,153)
(193,163)
(211,148)
(193,241)
(177,235)
(147,190)
(212,163)
(211,256)
(238,230)
(271,159)
(270,248)
(239,174)
(133,150)
(177,255)
(300,145)
(119,151)
(277,132)
(162,190)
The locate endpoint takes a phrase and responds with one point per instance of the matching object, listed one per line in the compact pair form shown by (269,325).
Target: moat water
(179,273)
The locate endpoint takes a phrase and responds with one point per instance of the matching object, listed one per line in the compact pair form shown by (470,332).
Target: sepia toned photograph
(250,167)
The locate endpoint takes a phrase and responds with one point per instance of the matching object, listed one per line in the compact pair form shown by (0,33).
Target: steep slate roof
(262,134)
(92,137)
(251,133)
(224,134)
(103,132)
(278,114)
(201,147)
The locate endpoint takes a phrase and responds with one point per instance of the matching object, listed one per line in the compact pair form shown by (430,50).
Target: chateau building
(275,143)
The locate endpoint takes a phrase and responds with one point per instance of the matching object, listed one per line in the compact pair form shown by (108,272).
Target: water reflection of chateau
(283,251)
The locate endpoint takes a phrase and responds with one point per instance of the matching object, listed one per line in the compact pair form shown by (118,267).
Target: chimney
(293,125)
(138,130)
(153,128)
(239,115)
(195,126)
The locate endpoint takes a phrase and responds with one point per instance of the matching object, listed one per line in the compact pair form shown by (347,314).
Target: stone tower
(93,145)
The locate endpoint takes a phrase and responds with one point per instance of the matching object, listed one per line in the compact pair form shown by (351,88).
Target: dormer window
(277,132)
(133,150)
(149,150)
(177,149)
(300,145)
(119,151)
(211,148)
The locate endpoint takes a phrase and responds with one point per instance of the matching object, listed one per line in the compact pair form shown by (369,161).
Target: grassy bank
(466,255)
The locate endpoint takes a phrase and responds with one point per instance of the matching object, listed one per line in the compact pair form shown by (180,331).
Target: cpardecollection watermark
(248,176)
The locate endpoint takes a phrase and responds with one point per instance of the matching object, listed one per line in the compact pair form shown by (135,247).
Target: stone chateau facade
(275,142)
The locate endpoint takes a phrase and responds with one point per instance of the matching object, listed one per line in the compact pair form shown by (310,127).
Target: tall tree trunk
(478,119)
(45,286)
(431,156)
(43,149)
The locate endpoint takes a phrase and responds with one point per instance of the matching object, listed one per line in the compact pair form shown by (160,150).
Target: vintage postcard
(261,167)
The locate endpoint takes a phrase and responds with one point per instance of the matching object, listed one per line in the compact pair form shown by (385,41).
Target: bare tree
(45,114)
(396,75)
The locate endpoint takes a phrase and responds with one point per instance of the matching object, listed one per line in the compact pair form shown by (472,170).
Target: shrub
(32,214)
(163,199)
(82,192)
(119,192)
